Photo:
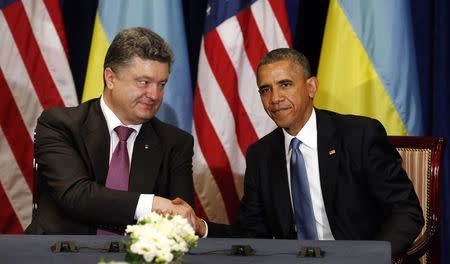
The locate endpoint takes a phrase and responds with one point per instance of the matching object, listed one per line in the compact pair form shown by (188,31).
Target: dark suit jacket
(72,149)
(367,194)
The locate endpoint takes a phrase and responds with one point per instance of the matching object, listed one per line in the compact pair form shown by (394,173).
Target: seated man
(320,174)
(109,161)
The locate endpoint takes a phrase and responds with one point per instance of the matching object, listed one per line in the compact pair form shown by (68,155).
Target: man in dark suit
(78,151)
(356,187)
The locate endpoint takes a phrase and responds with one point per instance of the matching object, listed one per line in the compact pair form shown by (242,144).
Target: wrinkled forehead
(287,64)
(137,62)
(279,67)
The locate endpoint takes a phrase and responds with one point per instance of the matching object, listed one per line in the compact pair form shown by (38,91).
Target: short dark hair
(291,55)
(140,42)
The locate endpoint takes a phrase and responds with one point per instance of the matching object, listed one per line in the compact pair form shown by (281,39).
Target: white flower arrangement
(159,239)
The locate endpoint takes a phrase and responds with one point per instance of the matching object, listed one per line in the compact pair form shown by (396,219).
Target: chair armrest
(421,245)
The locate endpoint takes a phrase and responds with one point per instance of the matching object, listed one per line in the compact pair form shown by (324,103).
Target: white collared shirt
(308,136)
(145,202)
(112,121)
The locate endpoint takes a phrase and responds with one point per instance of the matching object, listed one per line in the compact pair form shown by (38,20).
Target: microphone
(65,246)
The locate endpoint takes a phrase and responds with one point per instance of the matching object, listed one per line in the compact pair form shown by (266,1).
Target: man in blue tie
(109,161)
(320,174)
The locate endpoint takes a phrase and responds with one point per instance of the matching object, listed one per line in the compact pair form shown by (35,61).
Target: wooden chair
(35,187)
(36,180)
(422,158)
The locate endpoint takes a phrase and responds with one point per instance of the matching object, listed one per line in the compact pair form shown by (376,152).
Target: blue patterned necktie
(301,196)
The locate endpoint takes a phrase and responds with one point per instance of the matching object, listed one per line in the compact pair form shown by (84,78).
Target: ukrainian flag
(367,64)
(166,19)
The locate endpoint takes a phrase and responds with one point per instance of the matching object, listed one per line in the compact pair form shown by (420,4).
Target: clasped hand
(179,207)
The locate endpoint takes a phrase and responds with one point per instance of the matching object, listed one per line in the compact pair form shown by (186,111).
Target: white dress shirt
(145,202)
(308,136)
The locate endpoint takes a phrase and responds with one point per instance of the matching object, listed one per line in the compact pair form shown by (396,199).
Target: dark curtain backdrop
(79,19)
(431,20)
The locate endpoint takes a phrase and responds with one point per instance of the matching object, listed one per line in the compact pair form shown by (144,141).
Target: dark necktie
(118,172)
(119,167)
(301,196)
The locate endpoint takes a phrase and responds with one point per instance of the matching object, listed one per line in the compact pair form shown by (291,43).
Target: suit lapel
(146,157)
(146,161)
(328,152)
(96,138)
(279,180)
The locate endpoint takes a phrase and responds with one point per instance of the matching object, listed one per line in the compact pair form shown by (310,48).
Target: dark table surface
(36,249)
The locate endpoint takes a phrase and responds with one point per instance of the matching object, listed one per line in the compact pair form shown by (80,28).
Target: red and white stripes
(34,75)
(228,114)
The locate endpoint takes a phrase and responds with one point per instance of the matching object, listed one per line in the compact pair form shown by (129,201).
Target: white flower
(157,238)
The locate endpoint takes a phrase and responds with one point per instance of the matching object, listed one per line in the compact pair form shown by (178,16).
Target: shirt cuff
(206,229)
(144,205)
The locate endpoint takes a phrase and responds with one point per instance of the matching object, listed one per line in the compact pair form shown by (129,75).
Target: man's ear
(109,78)
(312,84)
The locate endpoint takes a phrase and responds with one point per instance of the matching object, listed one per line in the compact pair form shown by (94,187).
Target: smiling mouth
(147,105)
(279,111)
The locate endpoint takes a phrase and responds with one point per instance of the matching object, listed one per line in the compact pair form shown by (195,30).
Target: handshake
(178,206)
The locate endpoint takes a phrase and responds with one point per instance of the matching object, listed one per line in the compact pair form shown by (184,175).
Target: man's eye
(143,83)
(285,84)
(263,90)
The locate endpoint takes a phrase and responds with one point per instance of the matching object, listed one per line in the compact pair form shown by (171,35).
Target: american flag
(34,75)
(228,114)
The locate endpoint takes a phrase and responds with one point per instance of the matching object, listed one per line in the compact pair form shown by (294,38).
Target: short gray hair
(291,55)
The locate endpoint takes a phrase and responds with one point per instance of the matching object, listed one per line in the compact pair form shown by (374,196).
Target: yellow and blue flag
(367,64)
(166,19)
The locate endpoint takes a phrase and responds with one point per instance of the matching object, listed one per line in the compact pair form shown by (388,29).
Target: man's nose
(276,96)
(153,91)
